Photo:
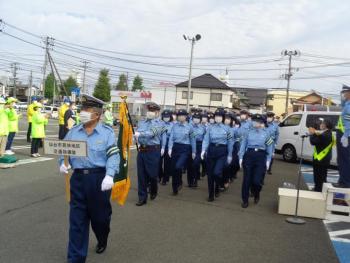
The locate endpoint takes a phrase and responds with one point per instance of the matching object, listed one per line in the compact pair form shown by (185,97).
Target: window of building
(216,96)
(184,95)
(269,107)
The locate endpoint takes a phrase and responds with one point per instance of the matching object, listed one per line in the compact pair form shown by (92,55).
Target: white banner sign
(71,148)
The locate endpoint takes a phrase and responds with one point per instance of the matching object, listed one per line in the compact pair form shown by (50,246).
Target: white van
(295,125)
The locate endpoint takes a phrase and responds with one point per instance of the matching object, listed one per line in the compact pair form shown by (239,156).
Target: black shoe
(257,198)
(244,205)
(175,193)
(153,196)
(141,203)
(195,185)
(210,199)
(100,248)
(163,183)
(217,194)
(269,172)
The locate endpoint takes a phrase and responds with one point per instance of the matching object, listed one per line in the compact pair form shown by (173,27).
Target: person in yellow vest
(108,115)
(4,126)
(323,142)
(13,117)
(62,110)
(30,111)
(39,121)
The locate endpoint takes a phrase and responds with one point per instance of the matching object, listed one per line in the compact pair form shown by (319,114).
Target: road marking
(33,160)
(339,233)
(19,147)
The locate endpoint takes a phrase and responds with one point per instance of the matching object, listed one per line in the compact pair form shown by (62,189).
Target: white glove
(107,183)
(193,156)
(64,169)
(344,141)
(202,155)
(241,163)
(162,152)
(137,135)
(229,159)
(169,153)
(267,165)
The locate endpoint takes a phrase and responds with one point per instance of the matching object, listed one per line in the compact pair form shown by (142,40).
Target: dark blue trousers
(235,160)
(193,171)
(147,172)
(10,138)
(179,161)
(165,167)
(88,204)
(254,168)
(216,161)
(343,160)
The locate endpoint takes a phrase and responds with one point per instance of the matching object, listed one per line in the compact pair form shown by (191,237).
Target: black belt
(217,145)
(255,150)
(90,170)
(146,148)
(199,142)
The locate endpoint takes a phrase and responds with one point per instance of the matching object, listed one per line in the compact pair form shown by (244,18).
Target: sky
(245,35)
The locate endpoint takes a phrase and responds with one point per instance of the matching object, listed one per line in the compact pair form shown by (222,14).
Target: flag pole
(130,120)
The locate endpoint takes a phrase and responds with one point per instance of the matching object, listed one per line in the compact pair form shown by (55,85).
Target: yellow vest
(38,125)
(61,113)
(340,125)
(4,123)
(321,155)
(13,120)
(30,112)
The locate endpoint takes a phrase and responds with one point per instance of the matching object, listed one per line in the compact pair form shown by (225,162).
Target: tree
(137,83)
(69,84)
(103,87)
(49,84)
(122,83)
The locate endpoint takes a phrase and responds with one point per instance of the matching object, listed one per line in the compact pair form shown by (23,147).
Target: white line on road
(339,233)
(33,160)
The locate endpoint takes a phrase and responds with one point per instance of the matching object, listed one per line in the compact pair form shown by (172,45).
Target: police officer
(245,123)
(193,173)
(343,134)
(211,118)
(274,130)
(150,137)
(236,146)
(182,143)
(92,180)
(218,146)
(165,162)
(255,156)
(205,123)
(227,174)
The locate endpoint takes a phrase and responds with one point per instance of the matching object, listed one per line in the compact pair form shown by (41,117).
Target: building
(251,99)
(312,98)
(207,92)
(164,94)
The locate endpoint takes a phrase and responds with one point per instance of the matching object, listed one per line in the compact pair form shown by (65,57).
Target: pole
(45,64)
(14,79)
(164,97)
(84,74)
(190,77)
(288,81)
(54,89)
(30,87)
(130,121)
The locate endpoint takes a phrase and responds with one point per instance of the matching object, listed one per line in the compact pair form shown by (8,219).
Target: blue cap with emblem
(258,118)
(88,101)
(345,88)
(152,106)
(181,112)
(219,112)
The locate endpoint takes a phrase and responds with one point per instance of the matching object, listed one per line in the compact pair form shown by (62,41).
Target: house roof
(206,81)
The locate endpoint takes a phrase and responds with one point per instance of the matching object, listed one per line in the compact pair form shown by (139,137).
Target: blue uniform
(230,171)
(274,131)
(343,153)
(255,151)
(243,129)
(193,171)
(88,202)
(181,142)
(165,162)
(152,136)
(218,144)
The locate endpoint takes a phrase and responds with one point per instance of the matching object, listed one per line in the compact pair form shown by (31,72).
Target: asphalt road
(185,228)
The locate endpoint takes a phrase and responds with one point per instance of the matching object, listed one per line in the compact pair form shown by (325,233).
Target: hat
(204,114)
(152,106)
(258,117)
(66,100)
(88,101)
(243,112)
(197,115)
(210,115)
(229,115)
(345,88)
(181,112)
(270,114)
(166,113)
(219,112)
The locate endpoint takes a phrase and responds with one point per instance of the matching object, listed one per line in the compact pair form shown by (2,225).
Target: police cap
(345,88)
(181,112)
(244,112)
(197,115)
(270,114)
(204,114)
(166,113)
(258,117)
(88,101)
(219,112)
(152,106)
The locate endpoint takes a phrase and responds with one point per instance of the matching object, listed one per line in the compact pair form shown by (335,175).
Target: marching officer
(245,123)
(218,146)
(343,134)
(274,130)
(150,137)
(182,143)
(92,180)
(165,162)
(193,174)
(255,156)
(211,118)
(227,174)
(205,124)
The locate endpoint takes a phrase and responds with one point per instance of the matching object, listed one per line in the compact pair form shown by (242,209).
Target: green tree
(103,87)
(137,83)
(69,84)
(49,84)
(122,83)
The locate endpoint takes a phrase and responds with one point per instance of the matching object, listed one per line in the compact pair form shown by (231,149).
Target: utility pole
(14,72)
(48,42)
(127,81)
(84,74)
(289,74)
(193,40)
(30,87)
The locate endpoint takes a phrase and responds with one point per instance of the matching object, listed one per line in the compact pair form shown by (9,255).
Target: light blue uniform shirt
(167,126)
(257,139)
(346,118)
(218,133)
(274,131)
(182,133)
(98,142)
(244,128)
(199,131)
(151,132)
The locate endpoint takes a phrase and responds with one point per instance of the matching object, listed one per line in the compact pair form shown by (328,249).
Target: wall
(278,103)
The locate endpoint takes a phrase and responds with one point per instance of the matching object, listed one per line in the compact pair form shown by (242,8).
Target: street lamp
(193,41)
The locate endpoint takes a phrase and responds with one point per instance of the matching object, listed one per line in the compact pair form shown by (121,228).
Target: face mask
(269,119)
(166,119)
(67,103)
(218,119)
(174,117)
(85,117)
(204,120)
(227,121)
(243,117)
(237,125)
(150,115)
(256,124)
(233,124)
(196,120)
(181,118)
(211,121)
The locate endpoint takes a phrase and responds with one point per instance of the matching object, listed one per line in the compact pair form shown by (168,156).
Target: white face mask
(211,121)
(256,124)
(204,120)
(269,119)
(227,121)
(85,117)
(150,115)
(237,125)
(166,119)
(218,119)
(181,118)
(174,117)
(67,103)
(196,120)
(243,117)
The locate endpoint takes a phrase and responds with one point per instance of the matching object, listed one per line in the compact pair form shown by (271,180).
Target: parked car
(294,126)
(52,110)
